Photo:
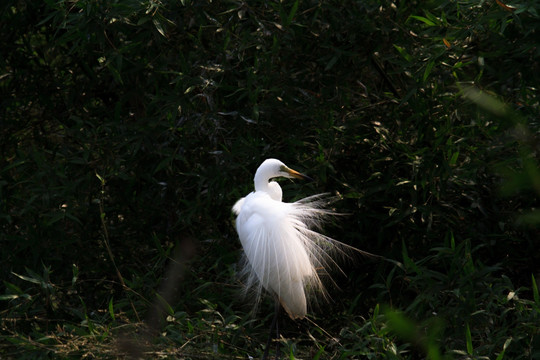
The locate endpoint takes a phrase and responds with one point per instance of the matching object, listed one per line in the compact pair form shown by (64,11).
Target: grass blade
(469,340)
(292,13)
(111,309)
(429,67)
(422,19)
(506,343)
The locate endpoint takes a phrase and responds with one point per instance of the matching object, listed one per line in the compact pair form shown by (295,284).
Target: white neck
(261,181)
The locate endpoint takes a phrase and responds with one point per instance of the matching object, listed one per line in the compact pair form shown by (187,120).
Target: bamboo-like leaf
(111,309)
(429,67)
(506,344)
(26,278)
(468,338)
(101,179)
(159,27)
(536,297)
(165,305)
(292,13)
(403,52)
(423,19)
(453,159)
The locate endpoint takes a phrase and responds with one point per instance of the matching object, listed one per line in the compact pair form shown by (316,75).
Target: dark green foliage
(130,128)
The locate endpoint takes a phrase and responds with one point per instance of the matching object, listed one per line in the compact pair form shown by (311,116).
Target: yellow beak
(296,174)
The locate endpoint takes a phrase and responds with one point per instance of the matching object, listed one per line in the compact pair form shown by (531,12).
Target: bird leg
(270,337)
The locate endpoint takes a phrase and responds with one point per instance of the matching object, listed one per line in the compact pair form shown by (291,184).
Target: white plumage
(283,254)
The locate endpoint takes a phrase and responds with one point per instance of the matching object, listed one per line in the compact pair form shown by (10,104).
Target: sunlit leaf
(26,278)
(159,27)
(403,52)
(111,309)
(505,346)
(423,19)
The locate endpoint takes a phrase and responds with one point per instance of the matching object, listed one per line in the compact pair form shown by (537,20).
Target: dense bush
(129,128)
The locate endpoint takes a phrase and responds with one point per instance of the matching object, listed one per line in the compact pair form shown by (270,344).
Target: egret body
(283,254)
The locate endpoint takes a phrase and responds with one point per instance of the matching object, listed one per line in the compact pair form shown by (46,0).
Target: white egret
(282,252)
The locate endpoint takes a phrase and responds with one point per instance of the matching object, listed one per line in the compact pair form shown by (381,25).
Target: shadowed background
(130,126)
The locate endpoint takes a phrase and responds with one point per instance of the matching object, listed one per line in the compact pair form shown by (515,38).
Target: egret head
(273,168)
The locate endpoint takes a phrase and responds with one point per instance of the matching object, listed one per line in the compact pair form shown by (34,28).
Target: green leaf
(319,353)
(468,337)
(165,305)
(292,13)
(403,53)
(407,261)
(429,66)
(13,296)
(13,288)
(422,19)
(376,311)
(26,278)
(453,159)
(506,344)
(159,27)
(101,179)
(111,309)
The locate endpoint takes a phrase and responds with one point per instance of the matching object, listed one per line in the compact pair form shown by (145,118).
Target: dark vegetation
(130,128)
